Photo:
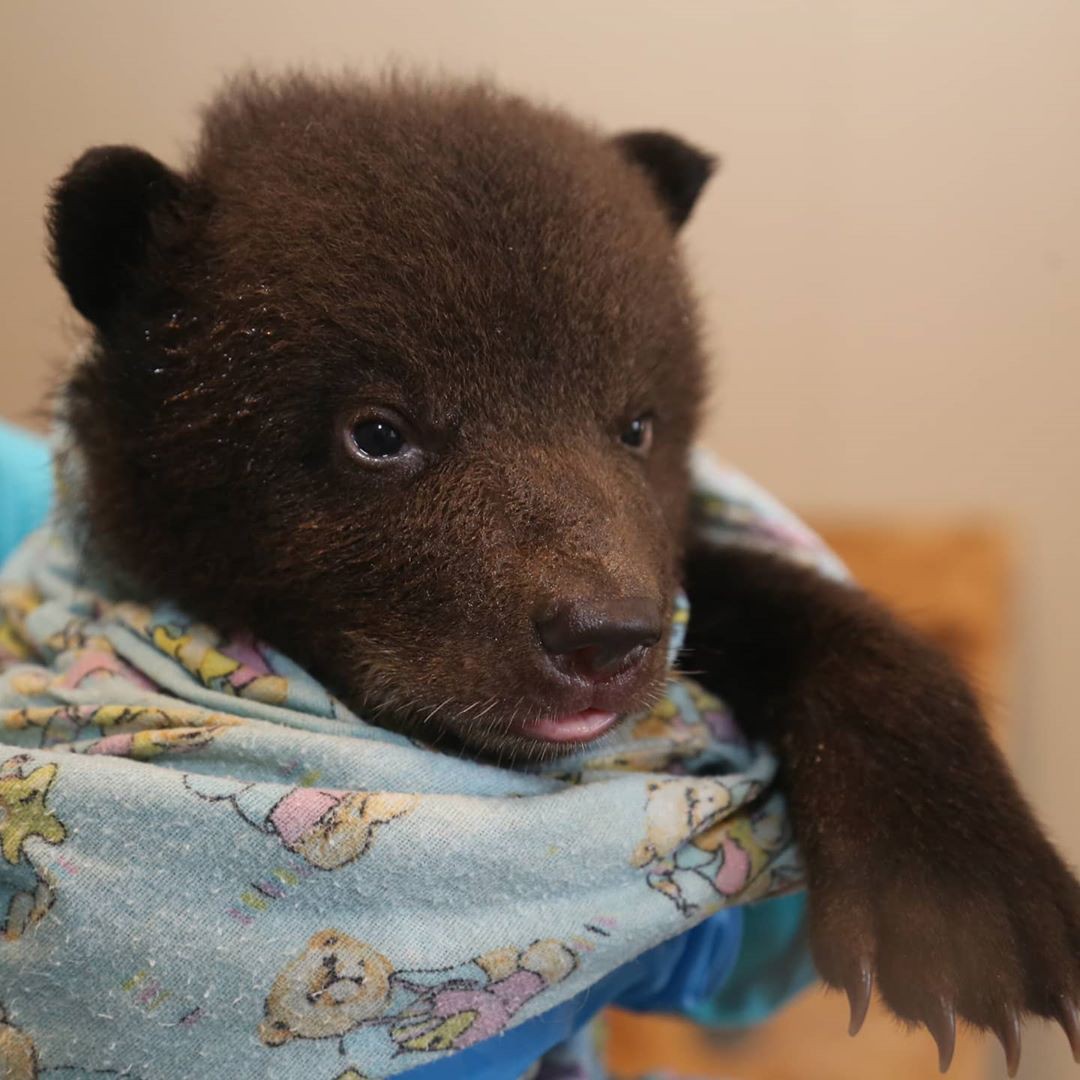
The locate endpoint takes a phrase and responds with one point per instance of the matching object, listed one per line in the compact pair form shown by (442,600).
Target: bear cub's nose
(597,639)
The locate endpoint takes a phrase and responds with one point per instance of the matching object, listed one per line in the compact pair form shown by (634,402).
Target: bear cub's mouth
(572,702)
(578,727)
(563,700)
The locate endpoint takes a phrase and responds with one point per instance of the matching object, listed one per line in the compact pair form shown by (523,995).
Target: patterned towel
(210,868)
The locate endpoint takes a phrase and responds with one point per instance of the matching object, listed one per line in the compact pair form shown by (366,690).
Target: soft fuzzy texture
(502,276)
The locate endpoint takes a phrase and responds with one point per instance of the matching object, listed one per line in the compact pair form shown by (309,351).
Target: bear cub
(403,377)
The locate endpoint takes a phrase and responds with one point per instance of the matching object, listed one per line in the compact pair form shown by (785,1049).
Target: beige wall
(891,257)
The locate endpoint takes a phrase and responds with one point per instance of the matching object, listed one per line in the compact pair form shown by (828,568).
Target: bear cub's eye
(638,434)
(377,437)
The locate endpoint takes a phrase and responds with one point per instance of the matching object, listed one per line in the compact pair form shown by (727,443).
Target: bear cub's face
(402,378)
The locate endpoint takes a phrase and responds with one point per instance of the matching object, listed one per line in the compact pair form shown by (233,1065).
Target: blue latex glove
(25,485)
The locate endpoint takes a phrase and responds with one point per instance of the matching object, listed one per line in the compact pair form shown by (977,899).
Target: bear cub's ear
(101,222)
(676,170)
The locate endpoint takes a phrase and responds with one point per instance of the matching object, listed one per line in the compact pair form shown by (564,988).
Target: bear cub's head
(402,377)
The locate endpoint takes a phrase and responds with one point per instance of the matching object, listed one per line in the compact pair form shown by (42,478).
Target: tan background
(890,259)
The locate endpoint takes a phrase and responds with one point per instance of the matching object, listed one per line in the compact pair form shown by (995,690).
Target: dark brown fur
(509,281)
(495,272)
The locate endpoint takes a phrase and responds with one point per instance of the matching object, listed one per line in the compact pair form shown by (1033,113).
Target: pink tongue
(573,727)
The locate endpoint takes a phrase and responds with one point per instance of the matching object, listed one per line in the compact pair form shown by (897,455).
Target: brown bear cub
(403,377)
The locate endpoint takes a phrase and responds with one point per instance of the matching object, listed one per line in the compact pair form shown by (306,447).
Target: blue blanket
(210,868)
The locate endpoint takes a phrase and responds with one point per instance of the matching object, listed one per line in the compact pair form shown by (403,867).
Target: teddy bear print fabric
(210,868)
